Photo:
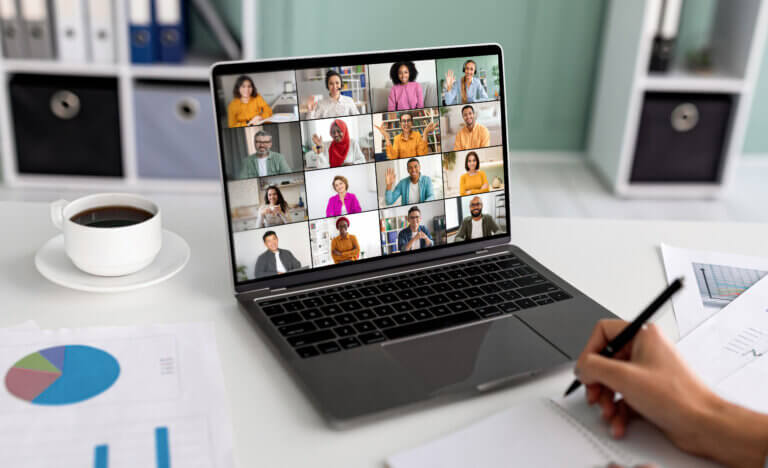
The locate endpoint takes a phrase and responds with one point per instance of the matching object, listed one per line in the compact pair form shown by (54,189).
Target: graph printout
(712,281)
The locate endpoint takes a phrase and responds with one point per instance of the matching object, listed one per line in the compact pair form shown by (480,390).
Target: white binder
(71,30)
(13,33)
(101,15)
(36,20)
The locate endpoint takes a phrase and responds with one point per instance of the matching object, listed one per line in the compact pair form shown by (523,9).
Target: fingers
(612,373)
(620,419)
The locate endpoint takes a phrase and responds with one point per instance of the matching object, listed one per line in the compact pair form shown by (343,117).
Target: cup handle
(57,213)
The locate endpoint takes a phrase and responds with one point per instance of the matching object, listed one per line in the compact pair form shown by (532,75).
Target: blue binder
(143,33)
(171,29)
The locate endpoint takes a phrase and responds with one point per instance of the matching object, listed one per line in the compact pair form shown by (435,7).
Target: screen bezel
(330,272)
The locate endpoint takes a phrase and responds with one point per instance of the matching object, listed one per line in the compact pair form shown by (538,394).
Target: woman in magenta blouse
(343,202)
(406,93)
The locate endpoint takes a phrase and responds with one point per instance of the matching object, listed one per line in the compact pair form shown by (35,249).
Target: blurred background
(641,109)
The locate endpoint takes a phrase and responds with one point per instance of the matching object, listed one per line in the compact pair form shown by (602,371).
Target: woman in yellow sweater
(344,247)
(474,181)
(247,107)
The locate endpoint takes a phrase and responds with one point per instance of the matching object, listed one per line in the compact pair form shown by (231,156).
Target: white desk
(615,262)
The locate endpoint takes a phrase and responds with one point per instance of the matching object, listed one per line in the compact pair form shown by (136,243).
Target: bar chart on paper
(62,375)
(721,284)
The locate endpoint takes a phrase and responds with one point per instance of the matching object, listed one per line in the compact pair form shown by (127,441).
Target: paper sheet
(163,398)
(712,281)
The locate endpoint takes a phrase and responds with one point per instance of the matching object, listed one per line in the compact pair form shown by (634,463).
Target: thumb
(613,373)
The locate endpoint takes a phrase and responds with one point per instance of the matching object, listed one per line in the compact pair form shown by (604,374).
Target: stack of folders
(68,30)
(158,30)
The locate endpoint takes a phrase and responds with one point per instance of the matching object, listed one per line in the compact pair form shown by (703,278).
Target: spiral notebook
(546,432)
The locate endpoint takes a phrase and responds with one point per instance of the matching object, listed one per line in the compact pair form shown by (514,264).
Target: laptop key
(273,309)
(509,307)
(293,306)
(509,274)
(473,291)
(530,280)
(441,277)
(525,303)
(559,296)
(442,287)
(458,306)
(369,301)
(331,309)
(476,280)
(388,298)
(422,315)
(384,322)
(542,299)
(475,302)
(346,330)
(490,288)
(455,295)
(510,295)
(325,322)
(384,310)
(332,298)
(420,303)
(388,287)
(313,302)
(286,319)
(372,337)
(350,306)
(426,326)
(424,290)
(349,343)
(403,319)
(510,263)
(459,284)
(307,352)
(525,270)
(440,310)
(506,284)
(407,294)
(329,347)
(298,328)
(489,311)
(402,306)
(438,299)
(346,319)
(490,266)
(365,315)
(351,294)
(403,284)
(311,314)
(491,277)
(369,291)
(423,280)
(311,338)
(364,327)
(537,289)
(493,299)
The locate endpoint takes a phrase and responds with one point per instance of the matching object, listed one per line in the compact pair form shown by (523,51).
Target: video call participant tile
(286,249)
(262,150)
(475,216)
(341,190)
(466,80)
(409,181)
(473,171)
(258,98)
(471,126)
(343,239)
(413,227)
(333,92)
(404,85)
(338,141)
(407,134)
(267,201)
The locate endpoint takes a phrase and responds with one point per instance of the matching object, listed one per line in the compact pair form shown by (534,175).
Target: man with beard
(472,135)
(478,225)
(263,162)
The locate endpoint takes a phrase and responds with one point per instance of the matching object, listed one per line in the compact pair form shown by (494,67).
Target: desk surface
(616,262)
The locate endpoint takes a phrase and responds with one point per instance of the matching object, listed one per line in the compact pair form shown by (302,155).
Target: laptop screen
(332,162)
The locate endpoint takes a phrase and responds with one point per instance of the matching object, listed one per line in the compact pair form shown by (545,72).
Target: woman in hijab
(344,247)
(341,151)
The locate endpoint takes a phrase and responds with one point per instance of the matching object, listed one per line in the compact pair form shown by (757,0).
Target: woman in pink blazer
(343,202)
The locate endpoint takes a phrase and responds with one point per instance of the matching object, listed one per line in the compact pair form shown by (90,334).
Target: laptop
(367,201)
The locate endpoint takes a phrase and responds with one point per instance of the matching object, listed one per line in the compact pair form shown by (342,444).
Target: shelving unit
(421,118)
(738,40)
(390,227)
(194,70)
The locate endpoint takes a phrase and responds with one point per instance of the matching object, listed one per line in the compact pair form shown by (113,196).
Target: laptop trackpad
(475,355)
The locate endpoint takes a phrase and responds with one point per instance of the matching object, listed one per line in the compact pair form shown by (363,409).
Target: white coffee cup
(109,251)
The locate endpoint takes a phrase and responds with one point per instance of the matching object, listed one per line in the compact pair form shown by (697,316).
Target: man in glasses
(410,142)
(264,162)
(415,235)
(477,225)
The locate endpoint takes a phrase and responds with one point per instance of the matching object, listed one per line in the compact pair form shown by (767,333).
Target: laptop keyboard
(398,306)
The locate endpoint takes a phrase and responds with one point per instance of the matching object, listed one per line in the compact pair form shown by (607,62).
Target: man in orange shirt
(410,142)
(472,135)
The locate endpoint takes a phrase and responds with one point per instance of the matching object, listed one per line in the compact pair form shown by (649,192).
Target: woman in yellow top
(474,181)
(409,142)
(247,107)
(344,247)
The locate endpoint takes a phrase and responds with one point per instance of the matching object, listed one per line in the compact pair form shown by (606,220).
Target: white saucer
(52,262)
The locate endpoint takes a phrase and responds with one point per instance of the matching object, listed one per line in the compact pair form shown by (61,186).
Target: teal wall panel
(550,46)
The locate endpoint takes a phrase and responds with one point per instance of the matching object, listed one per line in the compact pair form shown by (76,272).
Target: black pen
(626,335)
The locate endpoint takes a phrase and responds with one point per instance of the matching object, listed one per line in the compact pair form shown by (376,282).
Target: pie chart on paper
(62,375)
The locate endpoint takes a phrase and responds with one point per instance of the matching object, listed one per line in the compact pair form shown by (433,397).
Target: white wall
(364,226)
(430,166)
(249,244)
(487,113)
(362,182)
(491,162)
(381,83)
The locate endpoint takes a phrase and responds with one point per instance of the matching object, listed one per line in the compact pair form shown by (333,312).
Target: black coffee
(111,216)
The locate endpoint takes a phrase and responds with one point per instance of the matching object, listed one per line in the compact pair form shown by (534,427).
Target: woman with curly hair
(406,93)
(247,107)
